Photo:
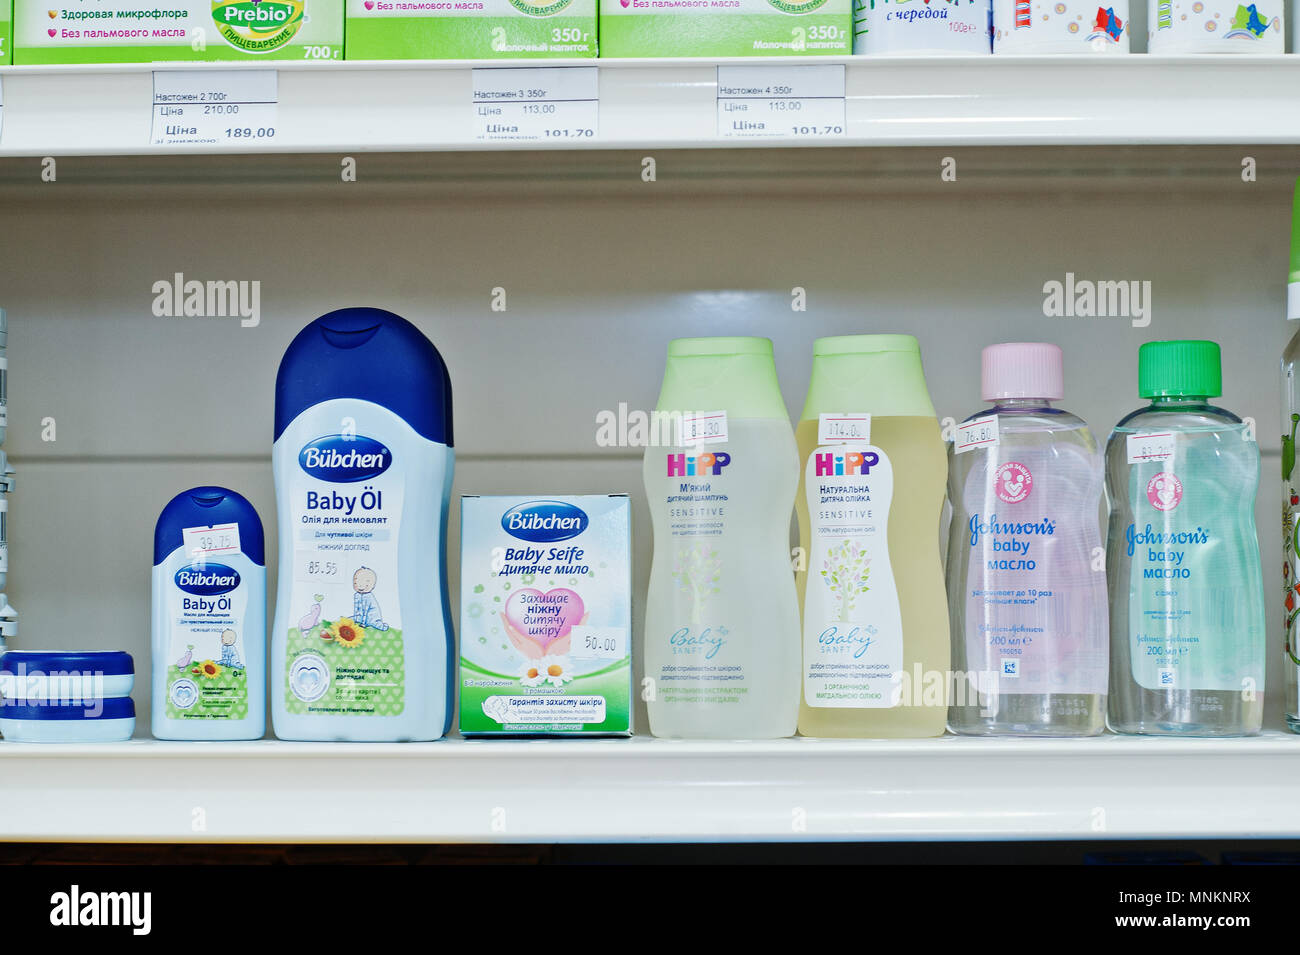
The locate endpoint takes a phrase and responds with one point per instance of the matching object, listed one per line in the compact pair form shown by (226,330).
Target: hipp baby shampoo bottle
(362,643)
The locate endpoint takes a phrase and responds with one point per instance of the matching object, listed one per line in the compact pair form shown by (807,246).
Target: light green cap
(1180,369)
(876,374)
(735,375)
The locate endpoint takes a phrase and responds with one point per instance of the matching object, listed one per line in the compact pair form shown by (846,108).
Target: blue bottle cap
(111,708)
(106,662)
(368,354)
(203,507)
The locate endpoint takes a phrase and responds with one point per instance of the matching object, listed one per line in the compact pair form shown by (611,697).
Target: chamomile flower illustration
(532,673)
(555,670)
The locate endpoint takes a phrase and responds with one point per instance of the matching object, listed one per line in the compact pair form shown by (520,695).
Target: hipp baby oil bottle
(209,618)
(361,647)
(1186,586)
(722,621)
(875,618)
(1026,581)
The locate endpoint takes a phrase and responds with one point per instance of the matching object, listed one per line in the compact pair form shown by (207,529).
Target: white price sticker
(212,541)
(704,427)
(598,643)
(546,104)
(844,428)
(1150,447)
(801,102)
(980,433)
(214,108)
(315,567)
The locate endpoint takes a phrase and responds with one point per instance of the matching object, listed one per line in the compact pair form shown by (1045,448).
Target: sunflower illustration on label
(540,8)
(259,26)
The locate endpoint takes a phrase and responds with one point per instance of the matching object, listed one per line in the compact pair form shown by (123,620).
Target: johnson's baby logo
(207,579)
(1014,482)
(341,459)
(544,521)
(697,465)
(1164,491)
(845,463)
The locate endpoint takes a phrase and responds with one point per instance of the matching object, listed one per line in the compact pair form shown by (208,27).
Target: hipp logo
(831,464)
(697,465)
(344,460)
(207,580)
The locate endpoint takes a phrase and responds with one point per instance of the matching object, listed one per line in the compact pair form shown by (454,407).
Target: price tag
(803,102)
(313,567)
(704,427)
(844,428)
(598,643)
(1151,447)
(211,541)
(548,104)
(980,433)
(214,108)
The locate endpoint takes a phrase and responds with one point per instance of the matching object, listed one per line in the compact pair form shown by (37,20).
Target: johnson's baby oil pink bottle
(1026,571)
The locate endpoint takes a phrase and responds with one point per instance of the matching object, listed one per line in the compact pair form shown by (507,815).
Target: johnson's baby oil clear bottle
(1187,599)
(1026,581)
(722,620)
(875,621)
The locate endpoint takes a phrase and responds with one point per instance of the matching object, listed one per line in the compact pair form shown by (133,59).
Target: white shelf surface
(647,790)
(426,105)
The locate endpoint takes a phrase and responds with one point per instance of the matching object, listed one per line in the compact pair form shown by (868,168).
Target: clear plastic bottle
(722,621)
(1026,588)
(875,623)
(1187,599)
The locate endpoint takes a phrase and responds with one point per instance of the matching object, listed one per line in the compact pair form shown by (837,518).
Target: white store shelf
(652,790)
(423,106)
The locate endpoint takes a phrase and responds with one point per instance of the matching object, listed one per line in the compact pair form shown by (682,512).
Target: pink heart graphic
(52,32)
(539,621)
(370,4)
(626,3)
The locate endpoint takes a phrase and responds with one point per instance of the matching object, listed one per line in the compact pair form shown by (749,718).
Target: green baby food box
(726,27)
(470,29)
(546,615)
(6,33)
(141,31)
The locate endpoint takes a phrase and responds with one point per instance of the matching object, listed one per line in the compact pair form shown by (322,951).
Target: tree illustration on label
(697,572)
(845,571)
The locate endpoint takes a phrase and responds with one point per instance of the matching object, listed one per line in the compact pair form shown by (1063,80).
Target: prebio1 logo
(258,26)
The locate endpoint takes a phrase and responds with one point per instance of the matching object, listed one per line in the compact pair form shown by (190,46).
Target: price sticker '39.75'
(235,108)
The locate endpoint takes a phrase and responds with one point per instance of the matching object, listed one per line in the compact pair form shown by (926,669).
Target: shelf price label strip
(546,104)
(214,108)
(799,102)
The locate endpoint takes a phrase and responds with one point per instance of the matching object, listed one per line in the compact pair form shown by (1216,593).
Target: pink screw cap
(1022,370)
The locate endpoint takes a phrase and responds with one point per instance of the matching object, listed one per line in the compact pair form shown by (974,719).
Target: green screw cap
(1180,369)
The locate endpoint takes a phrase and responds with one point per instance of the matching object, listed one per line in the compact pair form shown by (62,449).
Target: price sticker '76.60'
(980,433)
(543,104)
(235,108)
(800,102)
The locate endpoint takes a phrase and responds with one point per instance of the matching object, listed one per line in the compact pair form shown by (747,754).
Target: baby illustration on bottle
(365,608)
(229,655)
